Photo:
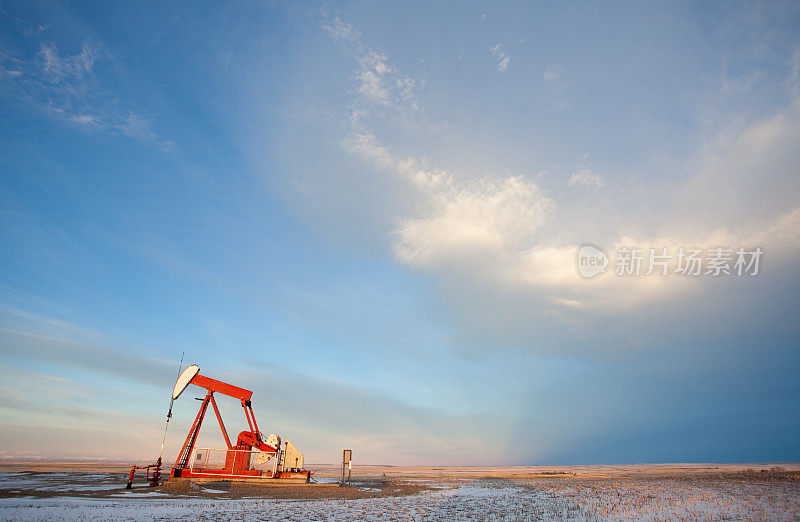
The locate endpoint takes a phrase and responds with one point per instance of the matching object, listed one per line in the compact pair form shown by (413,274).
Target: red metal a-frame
(237,461)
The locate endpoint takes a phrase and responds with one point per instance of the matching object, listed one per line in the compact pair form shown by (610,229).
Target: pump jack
(242,460)
(287,463)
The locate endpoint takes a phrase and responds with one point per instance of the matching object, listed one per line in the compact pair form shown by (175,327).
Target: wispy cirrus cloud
(378,84)
(58,67)
(70,86)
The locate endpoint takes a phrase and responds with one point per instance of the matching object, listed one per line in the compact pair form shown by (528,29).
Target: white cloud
(502,57)
(584,177)
(372,79)
(378,85)
(339,29)
(503,64)
(458,216)
(488,231)
(553,73)
(84,119)
(138,128)
(377,82)
(486,215)
(59,66)
(554,79)
(751,171)
(503,258)
(13,73)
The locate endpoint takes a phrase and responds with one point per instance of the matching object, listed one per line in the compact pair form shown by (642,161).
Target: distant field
(643,492)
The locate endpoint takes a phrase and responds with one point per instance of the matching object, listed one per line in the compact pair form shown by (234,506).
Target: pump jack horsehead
(243,460)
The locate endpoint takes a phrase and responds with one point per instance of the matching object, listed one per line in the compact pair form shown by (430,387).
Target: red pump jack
(287,465)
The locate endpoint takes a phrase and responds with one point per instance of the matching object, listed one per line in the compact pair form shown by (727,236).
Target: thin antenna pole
(169,413)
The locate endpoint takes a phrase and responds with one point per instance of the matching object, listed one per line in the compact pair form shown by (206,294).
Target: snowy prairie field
(576,493)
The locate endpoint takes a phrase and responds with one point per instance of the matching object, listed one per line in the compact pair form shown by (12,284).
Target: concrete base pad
(249,480)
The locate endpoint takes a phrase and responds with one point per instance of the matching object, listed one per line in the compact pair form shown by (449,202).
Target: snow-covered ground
(705,498)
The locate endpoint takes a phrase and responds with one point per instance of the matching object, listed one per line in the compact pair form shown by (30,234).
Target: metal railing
(212,459)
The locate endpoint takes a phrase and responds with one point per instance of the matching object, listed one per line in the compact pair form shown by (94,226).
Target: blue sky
(370,214)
